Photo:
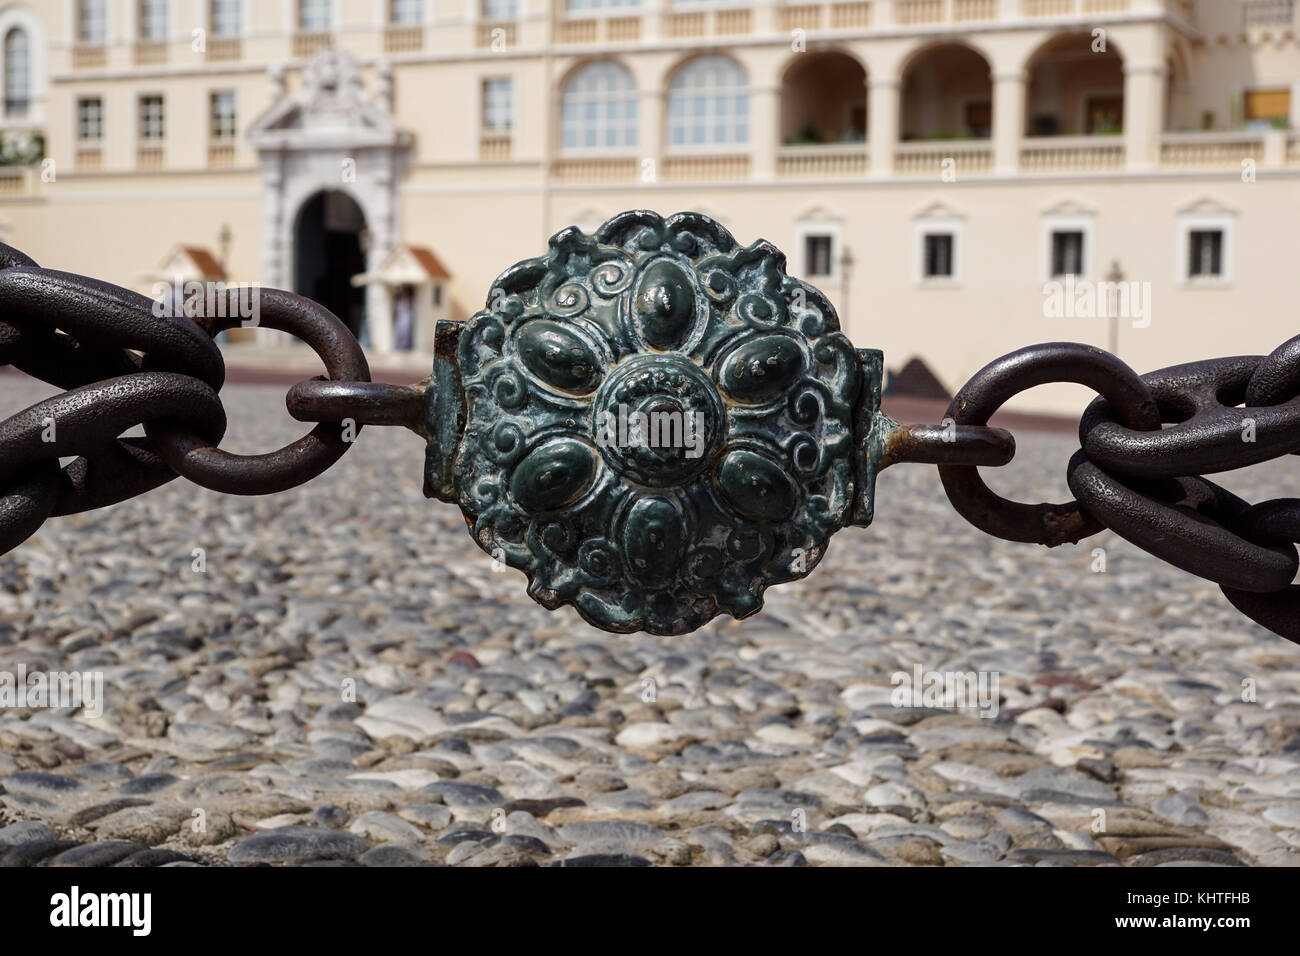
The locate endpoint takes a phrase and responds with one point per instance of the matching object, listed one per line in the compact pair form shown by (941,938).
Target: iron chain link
(125,366)
(1147,442)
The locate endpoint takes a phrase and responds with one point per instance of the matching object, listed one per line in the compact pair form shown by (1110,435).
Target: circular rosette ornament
(659,423)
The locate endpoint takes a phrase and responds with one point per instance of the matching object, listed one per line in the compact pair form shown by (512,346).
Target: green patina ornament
(655,423)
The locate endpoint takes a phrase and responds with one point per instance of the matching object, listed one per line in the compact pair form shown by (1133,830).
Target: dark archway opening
(1074,88)
(947,94)
(824,100)
(328,252)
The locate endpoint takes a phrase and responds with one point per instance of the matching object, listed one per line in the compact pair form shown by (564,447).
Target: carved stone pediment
(938,209)
(819,213)
(1207,205)
(1070,206)
(332,108)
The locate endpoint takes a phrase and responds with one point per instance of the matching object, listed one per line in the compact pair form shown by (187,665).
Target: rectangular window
(92,23)
(1067,252)
(1265,13)
(498,105)
(153,20)
(1205,254)
(500,9)
(406,13)
(817,255)
(223,118)
(152,125)
(314,15)
(938,255)
(225,18)
(90,119)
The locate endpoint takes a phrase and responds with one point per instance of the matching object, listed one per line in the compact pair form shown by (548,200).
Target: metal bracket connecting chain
(660,325)
(1146,443)
(125,366)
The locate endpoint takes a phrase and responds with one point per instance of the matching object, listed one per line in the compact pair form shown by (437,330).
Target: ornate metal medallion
(658,423)
(652,423)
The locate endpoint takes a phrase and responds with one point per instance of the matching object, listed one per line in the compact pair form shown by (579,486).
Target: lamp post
(846,272)
(1115,276)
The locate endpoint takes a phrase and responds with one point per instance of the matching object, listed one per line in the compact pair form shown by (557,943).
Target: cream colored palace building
(931,164)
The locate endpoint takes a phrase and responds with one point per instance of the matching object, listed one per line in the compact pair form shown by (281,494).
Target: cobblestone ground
(486,731)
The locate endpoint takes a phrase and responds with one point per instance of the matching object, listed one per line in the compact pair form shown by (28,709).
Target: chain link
(125,366)
(1147,441)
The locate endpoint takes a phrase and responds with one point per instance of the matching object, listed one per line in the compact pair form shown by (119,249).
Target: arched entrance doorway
(328,252)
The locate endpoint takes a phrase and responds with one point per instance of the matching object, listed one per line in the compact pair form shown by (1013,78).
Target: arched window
(599,109)
(18,74)
(708,104)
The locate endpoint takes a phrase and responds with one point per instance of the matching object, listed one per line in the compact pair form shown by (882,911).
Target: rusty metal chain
(1147,441)
(124,366)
